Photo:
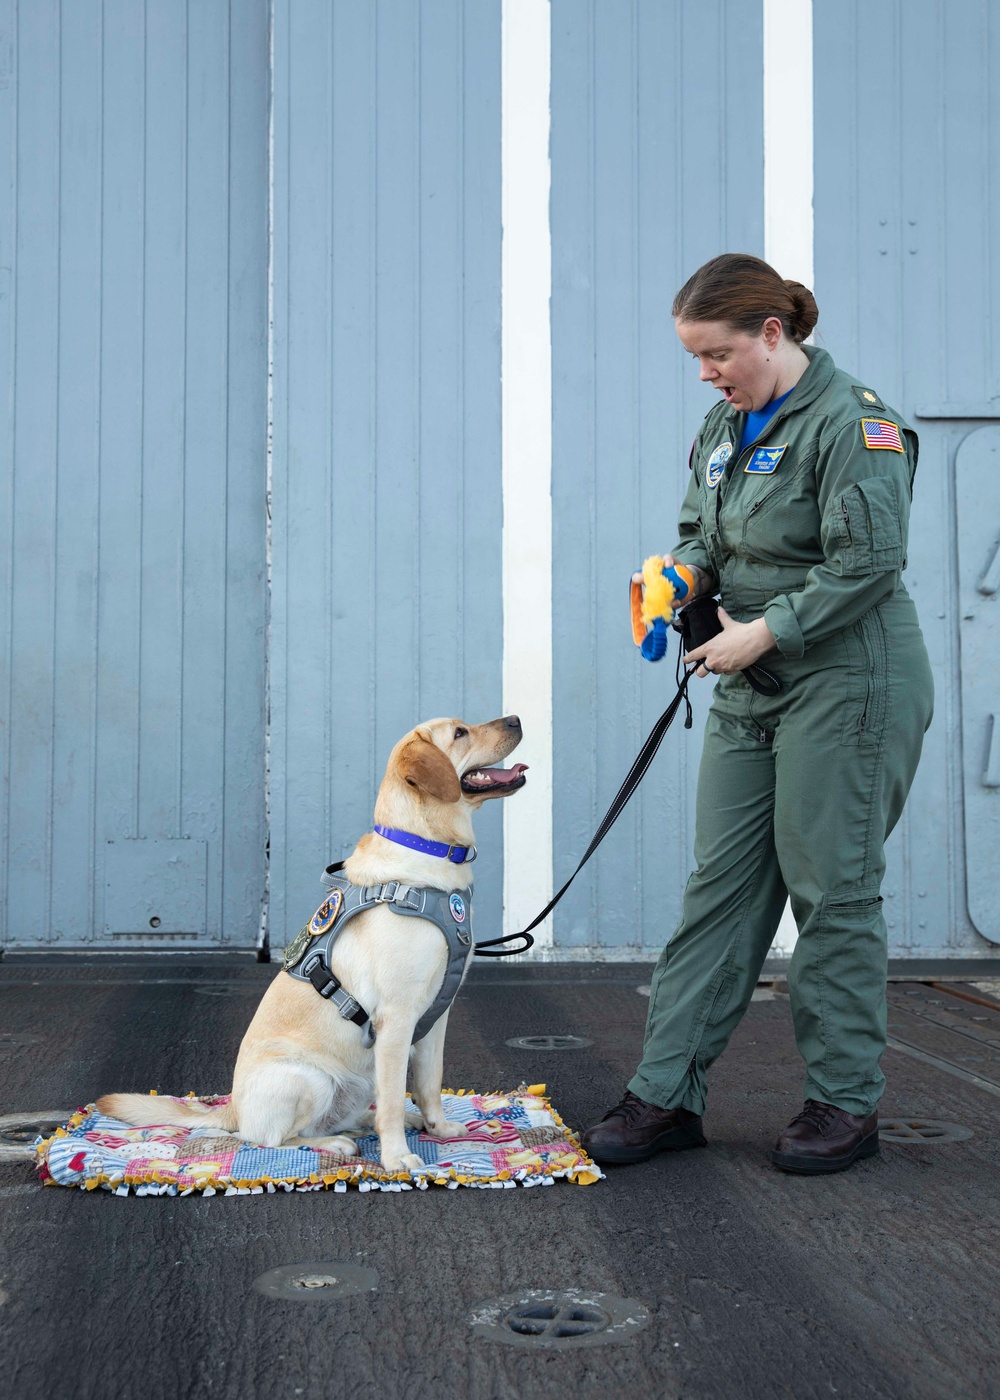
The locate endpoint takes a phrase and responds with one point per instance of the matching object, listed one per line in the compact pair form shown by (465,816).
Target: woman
(796,514)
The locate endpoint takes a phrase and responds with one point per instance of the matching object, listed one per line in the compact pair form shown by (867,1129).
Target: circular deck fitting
(18,1132)
(923,1130)
(315,1283)
(549,1042)
(563,1318)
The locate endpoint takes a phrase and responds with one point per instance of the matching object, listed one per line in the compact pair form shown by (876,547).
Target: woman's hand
(702,582)
(737,646)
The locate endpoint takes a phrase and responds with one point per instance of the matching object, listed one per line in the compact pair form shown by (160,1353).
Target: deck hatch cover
(558,1318)
(922,1130)
(315,1282)
(549,1042)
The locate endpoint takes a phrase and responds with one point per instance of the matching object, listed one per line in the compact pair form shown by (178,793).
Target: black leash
(635,776)
(697,623)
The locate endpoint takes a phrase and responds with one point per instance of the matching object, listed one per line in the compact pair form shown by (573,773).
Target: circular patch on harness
(549,1042)
(561,1318)
(315,1283)
(922,1130)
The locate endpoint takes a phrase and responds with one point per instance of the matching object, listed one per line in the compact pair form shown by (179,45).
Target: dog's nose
(512,721)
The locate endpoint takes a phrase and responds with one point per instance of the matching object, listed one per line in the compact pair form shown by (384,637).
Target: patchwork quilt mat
(514,1139)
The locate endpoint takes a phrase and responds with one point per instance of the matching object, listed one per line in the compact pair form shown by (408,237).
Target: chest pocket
(869,529)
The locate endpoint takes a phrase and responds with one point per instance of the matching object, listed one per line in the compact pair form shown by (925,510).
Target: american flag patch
(877,433)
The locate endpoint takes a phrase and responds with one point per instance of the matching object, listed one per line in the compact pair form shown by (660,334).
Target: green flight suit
(797,793)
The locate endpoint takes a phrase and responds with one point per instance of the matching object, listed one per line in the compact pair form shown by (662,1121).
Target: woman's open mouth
(494,782)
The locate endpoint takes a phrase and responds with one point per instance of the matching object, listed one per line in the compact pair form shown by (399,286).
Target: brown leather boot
(634,1130)
(825,1139)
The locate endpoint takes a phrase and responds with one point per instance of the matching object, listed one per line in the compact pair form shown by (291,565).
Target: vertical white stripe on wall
(788,138)
(526,272)
(788,185)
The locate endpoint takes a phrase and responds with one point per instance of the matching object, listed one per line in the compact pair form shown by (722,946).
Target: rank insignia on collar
(717,464)
(866,397)
(765,459)
(326,915)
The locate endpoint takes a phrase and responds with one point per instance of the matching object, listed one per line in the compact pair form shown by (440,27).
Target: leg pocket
(867,682)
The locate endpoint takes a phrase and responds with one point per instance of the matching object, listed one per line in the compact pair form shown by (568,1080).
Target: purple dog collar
(458,855)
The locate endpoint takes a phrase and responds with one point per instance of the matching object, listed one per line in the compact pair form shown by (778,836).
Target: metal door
(906,174)
(134,215)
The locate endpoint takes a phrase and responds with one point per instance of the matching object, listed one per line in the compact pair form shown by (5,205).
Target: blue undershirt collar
(755,423)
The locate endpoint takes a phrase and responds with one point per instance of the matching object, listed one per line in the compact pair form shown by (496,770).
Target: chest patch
(717,464)
(765,460)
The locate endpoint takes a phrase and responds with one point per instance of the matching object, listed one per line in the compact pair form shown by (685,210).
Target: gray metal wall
(907,227)
(133,223)
(387,604)
(134,268)
(657,165)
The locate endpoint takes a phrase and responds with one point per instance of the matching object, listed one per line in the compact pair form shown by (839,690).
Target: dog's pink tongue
(506,775)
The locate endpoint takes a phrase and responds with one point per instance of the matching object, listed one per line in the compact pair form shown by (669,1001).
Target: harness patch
(326,915)
(765,460)
(457,906)
(879,434)
(717,464)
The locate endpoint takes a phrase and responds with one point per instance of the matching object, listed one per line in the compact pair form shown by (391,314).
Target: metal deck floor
(883,1281)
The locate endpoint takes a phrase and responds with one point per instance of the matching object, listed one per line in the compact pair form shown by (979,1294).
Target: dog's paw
(414,1119)
(403,1162)
(446,1129)
(336,1143)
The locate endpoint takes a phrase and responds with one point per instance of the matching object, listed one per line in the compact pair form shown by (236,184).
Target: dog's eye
(460,733)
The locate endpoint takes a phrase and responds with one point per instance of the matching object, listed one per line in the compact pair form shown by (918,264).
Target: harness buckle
(349,1007)
(403,896)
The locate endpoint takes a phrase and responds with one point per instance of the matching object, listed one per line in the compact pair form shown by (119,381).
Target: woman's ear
(422,765)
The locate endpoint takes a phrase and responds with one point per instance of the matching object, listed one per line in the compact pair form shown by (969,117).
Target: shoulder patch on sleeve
(877,433)
(867,398)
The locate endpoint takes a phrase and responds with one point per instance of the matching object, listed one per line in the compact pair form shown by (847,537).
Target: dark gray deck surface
(883,1281)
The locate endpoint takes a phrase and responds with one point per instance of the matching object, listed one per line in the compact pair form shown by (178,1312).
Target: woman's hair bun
(805,313)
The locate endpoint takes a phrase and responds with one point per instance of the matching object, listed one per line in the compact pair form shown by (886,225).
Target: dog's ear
(424,766)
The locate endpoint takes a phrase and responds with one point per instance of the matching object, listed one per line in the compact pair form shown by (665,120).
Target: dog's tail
(149,1110)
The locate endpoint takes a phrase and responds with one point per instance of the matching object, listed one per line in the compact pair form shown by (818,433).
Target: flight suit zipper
(734,463)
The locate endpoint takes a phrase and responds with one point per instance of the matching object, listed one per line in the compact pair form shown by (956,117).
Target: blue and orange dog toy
(653,600)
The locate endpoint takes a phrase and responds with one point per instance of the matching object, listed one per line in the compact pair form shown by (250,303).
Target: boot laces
(818,1115)
(631,1109)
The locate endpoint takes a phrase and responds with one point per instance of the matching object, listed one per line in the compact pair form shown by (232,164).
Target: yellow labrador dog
(303,1074)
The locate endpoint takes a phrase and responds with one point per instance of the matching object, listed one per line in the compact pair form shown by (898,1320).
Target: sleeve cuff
(696,554)
(784,628)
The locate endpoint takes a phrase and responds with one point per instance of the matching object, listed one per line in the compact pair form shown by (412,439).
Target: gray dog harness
(307,957)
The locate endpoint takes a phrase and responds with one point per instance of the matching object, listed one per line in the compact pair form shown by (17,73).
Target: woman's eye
(460,733)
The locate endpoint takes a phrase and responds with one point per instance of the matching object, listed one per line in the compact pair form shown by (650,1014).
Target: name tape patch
(879,434)
(765,459)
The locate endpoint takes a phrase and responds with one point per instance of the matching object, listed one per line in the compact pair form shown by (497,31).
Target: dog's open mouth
(494,781)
